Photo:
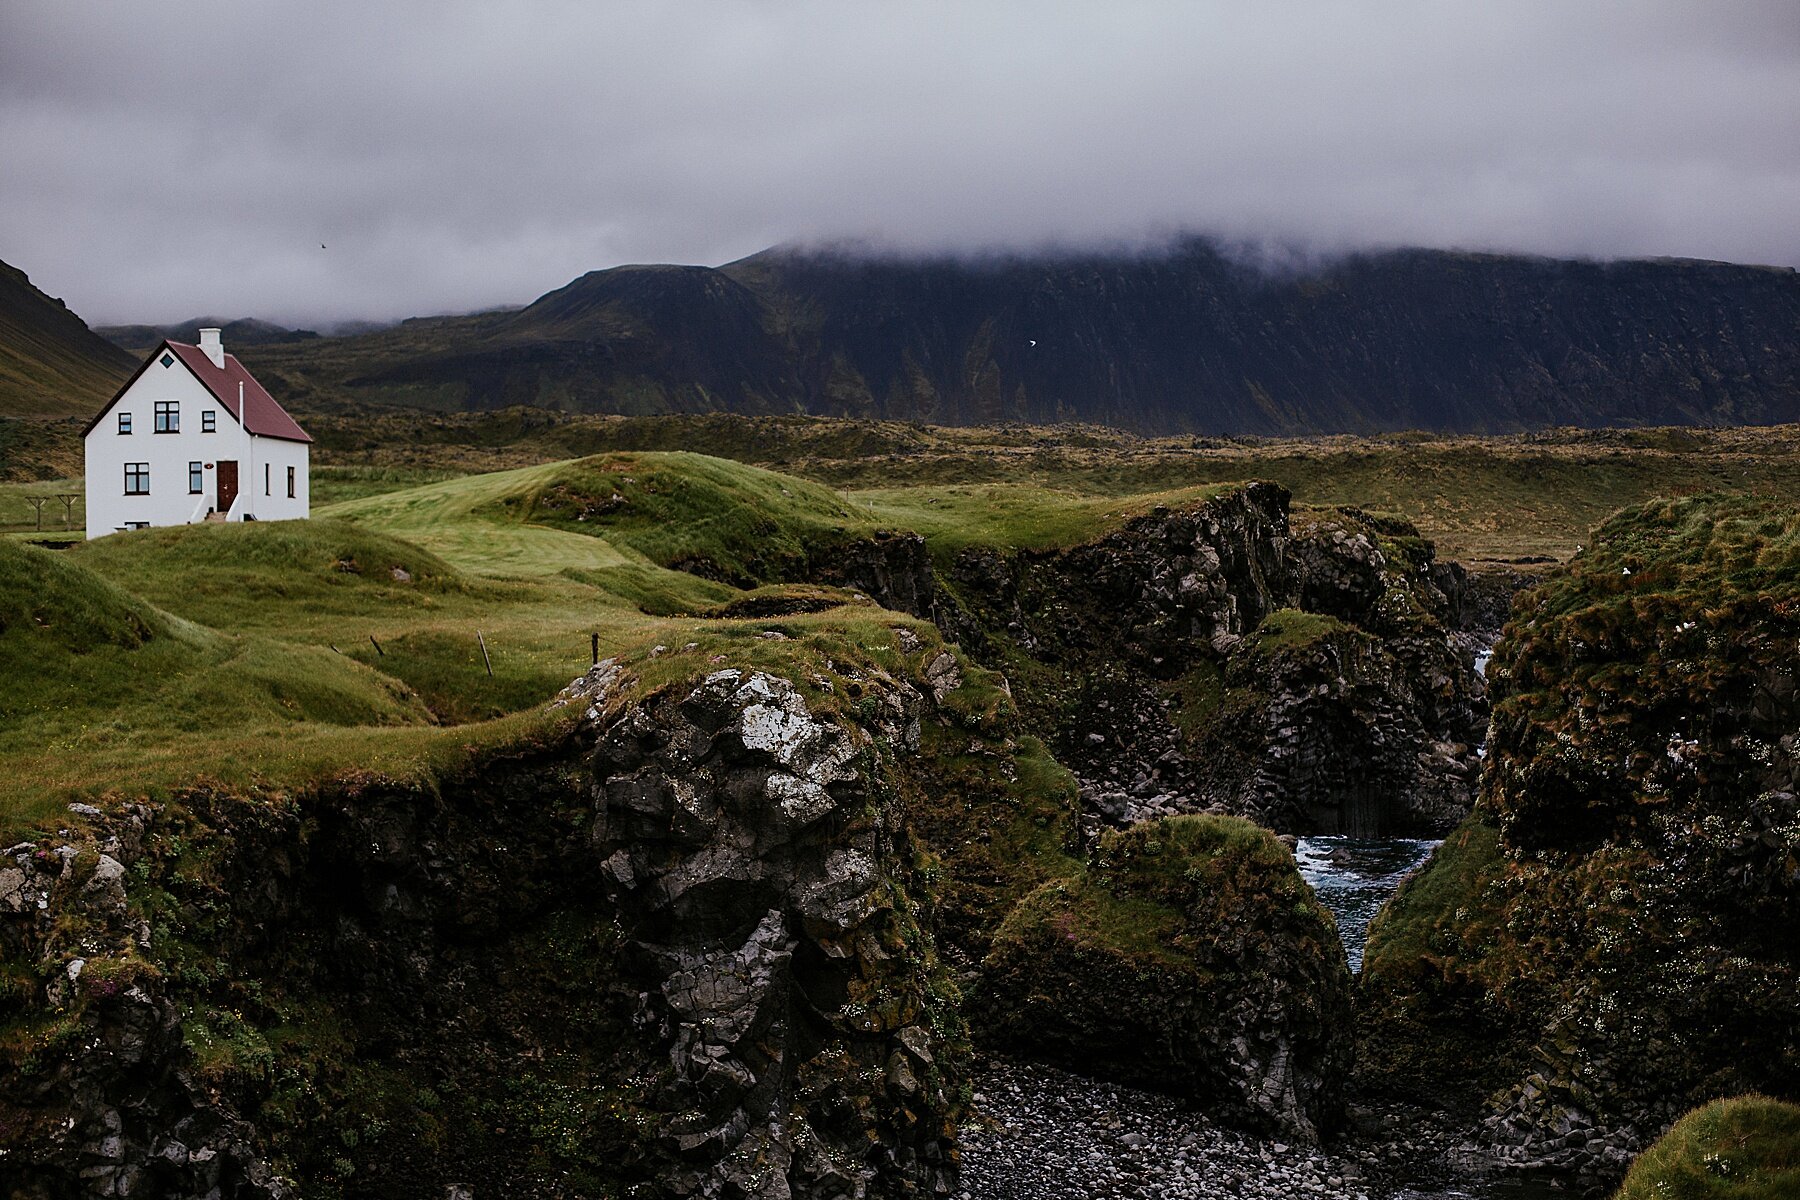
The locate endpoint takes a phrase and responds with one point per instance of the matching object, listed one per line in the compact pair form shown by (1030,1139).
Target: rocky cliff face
(1613,927)
(1311,672)
(678,948)
(760,861)
(1187,340)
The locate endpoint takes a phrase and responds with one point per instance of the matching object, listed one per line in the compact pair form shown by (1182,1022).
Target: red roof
(260,414)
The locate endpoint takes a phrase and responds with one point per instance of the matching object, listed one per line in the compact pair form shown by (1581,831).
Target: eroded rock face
(692,962)
(1174,690)
(108,1109)
(759,863)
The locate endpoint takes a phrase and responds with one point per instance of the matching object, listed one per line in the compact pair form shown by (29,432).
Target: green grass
(1289,628)
(18,515)
(332,484)
(275,653)
(1023,516)
(719,519)
(1703,550)
(104,690)
(361,626)
(1746,1148)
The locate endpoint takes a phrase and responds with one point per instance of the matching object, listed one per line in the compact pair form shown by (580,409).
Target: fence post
(484,654)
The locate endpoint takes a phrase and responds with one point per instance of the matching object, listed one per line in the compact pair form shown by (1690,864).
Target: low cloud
(163,163)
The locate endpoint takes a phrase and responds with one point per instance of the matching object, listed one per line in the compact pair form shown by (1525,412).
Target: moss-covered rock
(1190,957)
(1747,1148)
(1616,923)
(1303,668)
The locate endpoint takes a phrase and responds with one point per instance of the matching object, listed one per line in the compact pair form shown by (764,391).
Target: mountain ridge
(238,331)
(1191,341)
(51,363)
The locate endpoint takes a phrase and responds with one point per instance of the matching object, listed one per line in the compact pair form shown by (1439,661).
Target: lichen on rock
(760,864)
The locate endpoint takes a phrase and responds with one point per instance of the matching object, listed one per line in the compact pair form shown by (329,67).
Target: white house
(193,437)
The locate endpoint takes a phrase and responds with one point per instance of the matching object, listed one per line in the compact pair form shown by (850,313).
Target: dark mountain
(247,331)
(51,363)
(1185,340)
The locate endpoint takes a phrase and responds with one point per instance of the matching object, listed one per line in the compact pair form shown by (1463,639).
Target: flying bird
(1033,341)
(321,245)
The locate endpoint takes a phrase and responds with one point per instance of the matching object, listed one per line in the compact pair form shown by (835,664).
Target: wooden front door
(227,484)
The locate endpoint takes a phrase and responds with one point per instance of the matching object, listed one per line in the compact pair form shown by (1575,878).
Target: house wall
(270,459)
(168,454)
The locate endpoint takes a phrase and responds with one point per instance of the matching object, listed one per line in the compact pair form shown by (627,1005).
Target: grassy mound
(1190,957)
(221,573)
(49,606)
(100,689)
(1742,1149)
(718,519)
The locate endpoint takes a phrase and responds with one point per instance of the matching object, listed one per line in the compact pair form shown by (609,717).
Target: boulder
(1189,957)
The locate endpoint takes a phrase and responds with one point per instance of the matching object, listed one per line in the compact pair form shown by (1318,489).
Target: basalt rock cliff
(1311,671)
(707,929)
(1190,958)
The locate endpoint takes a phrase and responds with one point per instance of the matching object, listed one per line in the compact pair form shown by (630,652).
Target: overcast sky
(163,161)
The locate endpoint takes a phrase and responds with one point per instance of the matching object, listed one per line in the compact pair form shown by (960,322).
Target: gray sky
(161,161)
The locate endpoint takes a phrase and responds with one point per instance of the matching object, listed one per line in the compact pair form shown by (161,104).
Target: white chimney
(215,349)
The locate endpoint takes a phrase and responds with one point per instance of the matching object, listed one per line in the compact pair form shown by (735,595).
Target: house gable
(232,385)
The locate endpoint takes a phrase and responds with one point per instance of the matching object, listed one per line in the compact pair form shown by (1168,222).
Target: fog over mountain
(305,164)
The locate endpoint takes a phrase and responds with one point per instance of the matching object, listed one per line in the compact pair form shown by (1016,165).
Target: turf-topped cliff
(1183,339)
(51,363)
(678,937)
(307,884)
(1611,933)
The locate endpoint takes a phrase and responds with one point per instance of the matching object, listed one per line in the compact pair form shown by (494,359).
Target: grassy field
(1516,496)
(279,652)
(18,515)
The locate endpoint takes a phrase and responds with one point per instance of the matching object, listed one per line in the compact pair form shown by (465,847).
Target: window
(124,422)
(168,416)
(290,483)
(137,479)
(135,525)
(168,360)
(196,479)
(266,491)
(209,421)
